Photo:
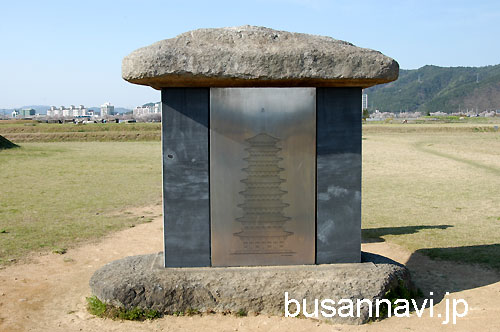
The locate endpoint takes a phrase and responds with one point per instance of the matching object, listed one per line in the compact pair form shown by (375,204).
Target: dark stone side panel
(338,179)
(185,151)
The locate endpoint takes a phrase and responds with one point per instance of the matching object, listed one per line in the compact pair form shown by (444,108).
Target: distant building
(107,109)
(364,101)
(78,111)
(488,114)
(71,111)
(28,112)
(377,115)
(24,113)
(51,111)
(147,110)
(438,113)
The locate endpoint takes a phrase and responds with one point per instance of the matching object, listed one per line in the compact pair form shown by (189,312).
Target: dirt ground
(48,293)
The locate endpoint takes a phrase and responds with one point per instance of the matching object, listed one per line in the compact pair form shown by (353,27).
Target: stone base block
(142,281)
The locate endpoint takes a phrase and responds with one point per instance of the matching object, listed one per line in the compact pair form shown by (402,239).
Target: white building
(63,111)
(364,101)
(51,111)
(107,109)
(78,111)
(147,110)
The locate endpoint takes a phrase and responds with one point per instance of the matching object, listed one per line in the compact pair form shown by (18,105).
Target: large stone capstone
(256,56)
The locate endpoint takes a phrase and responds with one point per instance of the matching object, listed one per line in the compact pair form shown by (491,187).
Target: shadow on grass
(376,234)
(441,270)
(487,255)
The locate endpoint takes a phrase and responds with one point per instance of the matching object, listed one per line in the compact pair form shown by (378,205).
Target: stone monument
(261,141)
(221,88)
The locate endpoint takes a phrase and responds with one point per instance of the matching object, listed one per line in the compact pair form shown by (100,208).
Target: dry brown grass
(100,136)
(43,132)
(437,192)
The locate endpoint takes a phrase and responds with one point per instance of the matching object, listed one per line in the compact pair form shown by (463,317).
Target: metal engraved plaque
(262,176)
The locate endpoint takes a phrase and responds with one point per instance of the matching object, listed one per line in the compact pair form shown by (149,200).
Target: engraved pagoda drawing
(263,219)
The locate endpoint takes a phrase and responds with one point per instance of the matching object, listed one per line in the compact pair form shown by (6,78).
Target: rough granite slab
(142,281)
(256,56)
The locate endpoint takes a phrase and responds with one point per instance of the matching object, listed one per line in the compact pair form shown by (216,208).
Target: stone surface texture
(256,56)
(141,281)
(186,203)
(338,175)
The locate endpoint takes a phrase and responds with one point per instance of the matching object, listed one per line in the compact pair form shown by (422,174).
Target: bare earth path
(49,294)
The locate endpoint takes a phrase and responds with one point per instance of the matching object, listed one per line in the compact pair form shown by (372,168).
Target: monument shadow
(447,269)
(370,235)
(454,269)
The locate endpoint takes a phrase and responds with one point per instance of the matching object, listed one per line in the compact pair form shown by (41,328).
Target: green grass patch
(445,118)
(488,255)
(56,195)
(192,312)
(400,292)
(241,313)
(98,308)
(187,312)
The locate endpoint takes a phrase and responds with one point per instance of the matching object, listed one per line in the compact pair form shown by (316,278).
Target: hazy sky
(70,52)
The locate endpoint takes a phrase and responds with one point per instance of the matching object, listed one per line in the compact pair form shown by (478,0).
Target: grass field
(434,192)
(432,188)
(54,195)
(45,132)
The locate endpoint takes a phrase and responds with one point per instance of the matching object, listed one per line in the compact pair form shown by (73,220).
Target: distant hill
(40,109)
(150,104)
(122,110)
(433,88)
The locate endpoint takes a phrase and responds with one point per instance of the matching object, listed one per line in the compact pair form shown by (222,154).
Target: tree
(366,114)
